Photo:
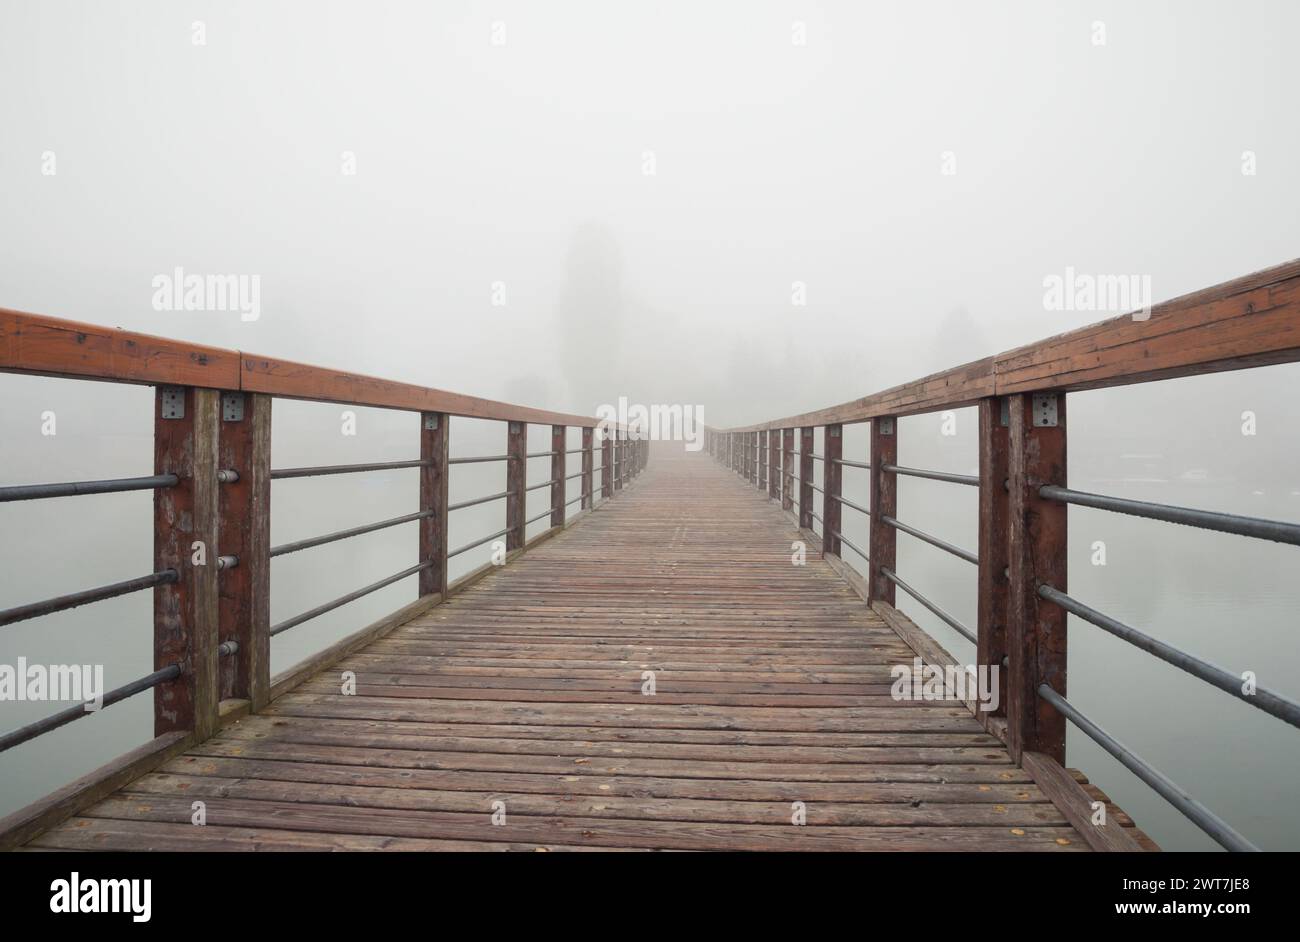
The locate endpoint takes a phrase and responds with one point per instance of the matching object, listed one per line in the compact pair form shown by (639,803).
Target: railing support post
(559,445)
(606,465)
(762,460)
(435,439)
(884,502)
(588,464)
(773,463)
(832,472)
(185,538)
(1036,628)
(787,469)
(244,531)
(516,481)
(805,478)
(994,519)
(619,459)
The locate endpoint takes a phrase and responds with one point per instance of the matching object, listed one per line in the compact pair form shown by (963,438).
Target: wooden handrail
(51,346)
(1249,321)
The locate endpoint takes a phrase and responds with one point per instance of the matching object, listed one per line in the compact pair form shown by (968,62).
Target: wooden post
(1037,550)
(805,477)
(832,472)
(994,518)
(516,481)
(559,445)
(618,459)
(773,463)
(588,464)
(435,439)
(761,457)
(185,538)
(787,469)
(244,531)
(606,465)
(884,502)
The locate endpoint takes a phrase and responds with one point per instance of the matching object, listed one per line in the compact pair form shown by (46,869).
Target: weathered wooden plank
(1076,805)
(290,380)
(33,343)
(589,831)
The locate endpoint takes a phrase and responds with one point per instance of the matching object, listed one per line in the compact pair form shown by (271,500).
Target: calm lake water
(1230,600)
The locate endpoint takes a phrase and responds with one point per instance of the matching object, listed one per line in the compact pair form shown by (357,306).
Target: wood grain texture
(994,535)
(559,445)
(516,482)
(771,687)
(435,481)
(33,343)
(882,539)
(832,475)
(244,516)
(1037,550)
(185,612)
(588,466)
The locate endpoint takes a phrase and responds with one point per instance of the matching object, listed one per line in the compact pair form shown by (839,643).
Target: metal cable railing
(73,599)
(285,548)
(282,473)
(81,488)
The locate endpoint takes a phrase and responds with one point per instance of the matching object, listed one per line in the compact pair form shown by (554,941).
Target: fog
(754,208)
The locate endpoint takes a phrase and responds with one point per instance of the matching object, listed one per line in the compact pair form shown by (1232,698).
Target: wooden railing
(1021,400)
(212,486)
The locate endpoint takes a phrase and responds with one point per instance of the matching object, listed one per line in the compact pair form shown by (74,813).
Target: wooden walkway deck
(772,687)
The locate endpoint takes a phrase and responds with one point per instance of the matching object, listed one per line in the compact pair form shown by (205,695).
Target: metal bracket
(232,407)
(430,421)
(886,426)
(833,431)
(173,402)
(514,428)
(1005,404)
(1044,410)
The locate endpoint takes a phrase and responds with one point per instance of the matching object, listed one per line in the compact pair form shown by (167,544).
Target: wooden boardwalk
(771,688)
